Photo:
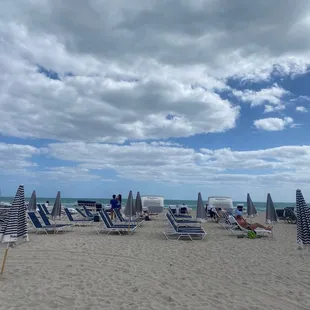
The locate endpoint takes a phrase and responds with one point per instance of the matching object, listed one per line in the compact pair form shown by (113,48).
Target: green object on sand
(251,234)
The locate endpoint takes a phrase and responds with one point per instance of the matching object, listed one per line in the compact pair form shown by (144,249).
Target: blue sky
(95,107)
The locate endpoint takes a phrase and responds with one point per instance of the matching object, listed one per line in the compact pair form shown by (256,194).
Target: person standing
(114,205)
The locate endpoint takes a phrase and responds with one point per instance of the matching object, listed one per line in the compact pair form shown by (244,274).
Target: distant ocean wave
(70,202)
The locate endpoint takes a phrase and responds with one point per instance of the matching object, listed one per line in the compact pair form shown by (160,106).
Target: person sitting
(243,223)
(210,209)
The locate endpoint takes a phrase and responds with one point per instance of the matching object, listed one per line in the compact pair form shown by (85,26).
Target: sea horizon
(70,202)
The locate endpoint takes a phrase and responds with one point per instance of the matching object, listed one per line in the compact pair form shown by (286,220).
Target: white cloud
(277,168)
(301,109)
(122,90)
(273,123)
(16,158)
(149,162)
(271,97)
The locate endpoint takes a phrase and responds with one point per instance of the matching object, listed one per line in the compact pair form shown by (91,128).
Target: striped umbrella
(251,210)
(15,225)
(138,203)
(200,211)
(32,206)
(271,214)
(56,211)
(303,220)
(130,207)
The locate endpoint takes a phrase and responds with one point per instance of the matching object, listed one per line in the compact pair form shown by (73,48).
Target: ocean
(70,202)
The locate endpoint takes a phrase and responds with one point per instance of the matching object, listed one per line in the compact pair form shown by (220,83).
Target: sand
(84,270)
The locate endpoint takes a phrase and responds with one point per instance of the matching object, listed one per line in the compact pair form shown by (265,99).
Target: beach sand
(84,270)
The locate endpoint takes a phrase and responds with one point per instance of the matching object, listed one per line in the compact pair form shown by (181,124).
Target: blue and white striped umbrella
(201,214)
(56,211)
(303,219)
(271,214)
(251,210)
(15,225)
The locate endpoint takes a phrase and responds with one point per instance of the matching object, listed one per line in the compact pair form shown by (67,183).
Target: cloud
(301,109)
(132,73)
(16,158)
(280,167)
(273,123)
(171,164)
(270,97)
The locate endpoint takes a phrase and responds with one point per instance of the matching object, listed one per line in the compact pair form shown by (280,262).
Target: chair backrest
(45,208)
(119,215)
(35,221)
(44,218)
(103,217)
(69,215)
(80,212)
(107,217)
(232,221)
(40,208)
(88,213)
(172,222)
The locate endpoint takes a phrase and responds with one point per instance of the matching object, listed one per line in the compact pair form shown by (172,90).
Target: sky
(169,98)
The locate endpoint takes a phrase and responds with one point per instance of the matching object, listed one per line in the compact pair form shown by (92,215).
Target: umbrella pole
(129,225)
(4,258)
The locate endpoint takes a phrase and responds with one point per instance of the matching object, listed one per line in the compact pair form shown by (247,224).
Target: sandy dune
(84,270)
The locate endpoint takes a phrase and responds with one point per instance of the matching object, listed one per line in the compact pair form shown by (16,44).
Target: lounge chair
(40,208)
(45,228)
(110,227)
(242,230)
(47,222)
(180,215)
(122,220)
(180,232)
(45,209)
(84,215)
(183,221)
(78,222)
(87,212)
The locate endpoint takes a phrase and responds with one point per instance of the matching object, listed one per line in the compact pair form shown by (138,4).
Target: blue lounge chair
(110,227)
(47,222)
(40,208)
(184,221)
(122,220)
(88,213)
(84,215)
(78,222)
(46,228)
(45,209)
(180,232)
(180,216)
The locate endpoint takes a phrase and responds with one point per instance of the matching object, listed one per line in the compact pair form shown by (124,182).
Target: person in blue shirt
(114,205)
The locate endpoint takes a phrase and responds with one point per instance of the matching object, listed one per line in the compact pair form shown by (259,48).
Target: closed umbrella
(303,220)
(130,208)
(201,214)
(15,224)
(138,203)
(251,210)
(271,214)
(32,206)
(56,211)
